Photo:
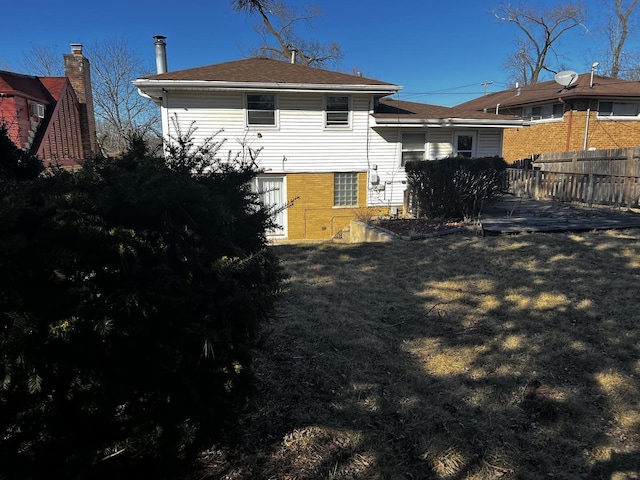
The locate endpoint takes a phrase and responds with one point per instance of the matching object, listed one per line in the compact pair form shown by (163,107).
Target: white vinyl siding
(440,144)
(489,143)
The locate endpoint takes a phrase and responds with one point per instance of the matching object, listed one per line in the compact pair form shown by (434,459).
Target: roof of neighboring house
(261,74)
(24,85)
(550,91)
(398,112)
(55,85)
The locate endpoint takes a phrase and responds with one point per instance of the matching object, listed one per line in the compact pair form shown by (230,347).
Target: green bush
(130,292)
(454,188)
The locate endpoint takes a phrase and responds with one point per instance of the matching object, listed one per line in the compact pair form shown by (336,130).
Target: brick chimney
(78,71)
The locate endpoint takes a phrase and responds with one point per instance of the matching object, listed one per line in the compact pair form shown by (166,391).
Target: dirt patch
(416,227)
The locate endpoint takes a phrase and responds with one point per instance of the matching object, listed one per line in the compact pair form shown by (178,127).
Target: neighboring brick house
(593,112)
(331,141)
(52,117)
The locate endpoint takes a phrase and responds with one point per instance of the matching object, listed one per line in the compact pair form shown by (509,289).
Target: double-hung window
(345,189)
(261,109)
(412,147)
(337,111)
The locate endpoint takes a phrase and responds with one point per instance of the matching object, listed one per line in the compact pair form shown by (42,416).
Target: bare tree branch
(542,29)
(278,22)
(619,26)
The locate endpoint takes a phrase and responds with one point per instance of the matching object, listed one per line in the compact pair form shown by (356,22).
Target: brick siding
(313,216)
(569,135)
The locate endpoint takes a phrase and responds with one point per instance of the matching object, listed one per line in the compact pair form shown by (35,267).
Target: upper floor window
(261,109)
(618,109)
(337,111)
(543,112)
(412,147)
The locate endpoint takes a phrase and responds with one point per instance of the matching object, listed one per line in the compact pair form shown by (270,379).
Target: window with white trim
(337,111)
(261,109)
(345,189)
(412,147)
(618,109)
(544,112)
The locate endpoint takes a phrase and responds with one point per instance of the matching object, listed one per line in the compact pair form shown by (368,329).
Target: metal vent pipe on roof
(161,53)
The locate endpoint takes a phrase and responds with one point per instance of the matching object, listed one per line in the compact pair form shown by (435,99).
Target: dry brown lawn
(459,357)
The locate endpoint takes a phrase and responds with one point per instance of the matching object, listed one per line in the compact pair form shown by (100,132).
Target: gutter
(450,122)
(194,85)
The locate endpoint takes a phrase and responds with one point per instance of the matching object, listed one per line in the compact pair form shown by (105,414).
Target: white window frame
(544,113)
(474,143)
(332,123)
(37,110)
(345,189)
(250,110)
(409,150)
(613,115)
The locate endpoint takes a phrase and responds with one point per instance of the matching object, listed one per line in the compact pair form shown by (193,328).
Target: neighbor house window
(544,112)
(412,147)
(337,111)
(261,109)
(345,189)
(618,109)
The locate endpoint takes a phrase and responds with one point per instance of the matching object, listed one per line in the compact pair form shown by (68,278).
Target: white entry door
(272,190)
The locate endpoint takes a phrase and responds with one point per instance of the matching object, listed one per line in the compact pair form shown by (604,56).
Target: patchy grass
(454,358)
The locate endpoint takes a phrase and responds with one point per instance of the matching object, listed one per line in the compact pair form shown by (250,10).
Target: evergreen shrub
(129,295)
(454,188)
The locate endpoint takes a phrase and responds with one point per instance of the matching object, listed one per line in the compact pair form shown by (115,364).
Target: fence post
(590,190)
(629,172)
(536,185)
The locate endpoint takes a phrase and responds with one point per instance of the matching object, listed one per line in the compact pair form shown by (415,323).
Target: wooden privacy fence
(587,188)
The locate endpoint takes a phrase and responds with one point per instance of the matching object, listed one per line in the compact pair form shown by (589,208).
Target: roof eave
(147,86)
(450,122)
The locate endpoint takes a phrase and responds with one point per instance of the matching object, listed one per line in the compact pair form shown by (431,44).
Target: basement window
(345,189)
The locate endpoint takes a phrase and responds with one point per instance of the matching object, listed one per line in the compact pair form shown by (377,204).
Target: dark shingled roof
(545,92)
(390,108)
(263,70)
(24,85)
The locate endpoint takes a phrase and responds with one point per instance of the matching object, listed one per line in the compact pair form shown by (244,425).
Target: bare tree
(120,110)
(542,29)
(43,61)
(278,24)
(618,27)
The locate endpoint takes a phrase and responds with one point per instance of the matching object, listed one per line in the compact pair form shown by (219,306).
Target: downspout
(586,127)
(569,124)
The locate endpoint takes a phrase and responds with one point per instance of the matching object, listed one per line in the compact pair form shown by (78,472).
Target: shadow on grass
(454,358)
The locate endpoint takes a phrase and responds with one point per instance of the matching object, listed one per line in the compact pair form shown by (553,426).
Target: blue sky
(439,51)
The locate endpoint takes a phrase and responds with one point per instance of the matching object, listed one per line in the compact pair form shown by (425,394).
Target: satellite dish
(566,78)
